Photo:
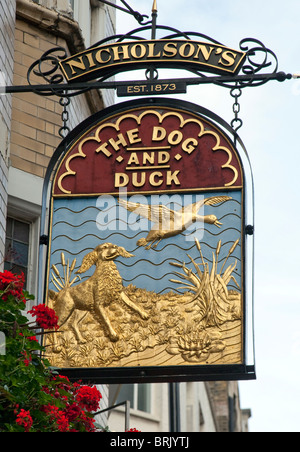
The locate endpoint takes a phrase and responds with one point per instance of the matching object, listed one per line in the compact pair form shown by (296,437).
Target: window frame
(29,213)
(13,261)
(134,407)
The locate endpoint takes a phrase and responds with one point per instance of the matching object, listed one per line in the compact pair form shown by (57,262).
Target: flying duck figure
(169,223)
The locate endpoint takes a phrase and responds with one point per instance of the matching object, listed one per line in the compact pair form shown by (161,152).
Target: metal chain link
(64,130)
(236,123)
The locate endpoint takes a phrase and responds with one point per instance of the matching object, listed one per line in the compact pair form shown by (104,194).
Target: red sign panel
(148,150)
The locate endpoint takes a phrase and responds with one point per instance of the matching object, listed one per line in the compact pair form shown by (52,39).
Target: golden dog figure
(99,291)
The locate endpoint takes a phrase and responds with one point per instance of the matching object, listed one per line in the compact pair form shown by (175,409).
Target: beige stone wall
(35,119)
(7,19)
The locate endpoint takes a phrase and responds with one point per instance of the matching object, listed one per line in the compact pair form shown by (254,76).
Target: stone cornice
(60,25)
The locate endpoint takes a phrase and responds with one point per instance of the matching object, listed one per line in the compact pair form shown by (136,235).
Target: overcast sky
(270,132)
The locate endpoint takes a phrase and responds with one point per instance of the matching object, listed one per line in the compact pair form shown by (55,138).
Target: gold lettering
(138,53)
(139,183)
(91,60)
(152,180)
(121,180)
(77,64)
(228,57)
(175,137)
(151,51)
(163,157)
(116,144)
(172,178)
(133,159)
(170,49)
(103,148)
(182,50)
(121,50)
(205,53)
(99,57)
(133,136)
(189,145)
(148,158)
(159,134)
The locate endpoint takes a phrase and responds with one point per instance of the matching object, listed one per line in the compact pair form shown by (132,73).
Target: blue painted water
(81,224)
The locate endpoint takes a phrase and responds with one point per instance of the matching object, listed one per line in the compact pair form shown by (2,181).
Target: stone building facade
(204,407)
(7,36)
(30,124)
(30,127)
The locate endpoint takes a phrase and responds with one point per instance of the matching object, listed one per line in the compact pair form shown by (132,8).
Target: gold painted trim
(154,192)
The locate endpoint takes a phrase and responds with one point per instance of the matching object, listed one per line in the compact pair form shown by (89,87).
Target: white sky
(271,123)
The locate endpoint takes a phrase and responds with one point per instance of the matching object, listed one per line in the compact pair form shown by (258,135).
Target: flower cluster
(88,398)
(45,317)
(32,397)
(78,402)
(24,420)
(12,285)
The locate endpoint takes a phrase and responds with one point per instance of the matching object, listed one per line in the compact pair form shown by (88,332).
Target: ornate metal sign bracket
(139,17)
(207,60)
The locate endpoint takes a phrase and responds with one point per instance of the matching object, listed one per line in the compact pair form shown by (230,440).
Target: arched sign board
(146,261)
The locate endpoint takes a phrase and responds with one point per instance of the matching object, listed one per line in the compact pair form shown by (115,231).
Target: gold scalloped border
(138,119)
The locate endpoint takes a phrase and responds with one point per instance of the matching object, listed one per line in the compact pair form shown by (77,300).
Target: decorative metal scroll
(138,16)
(258,59)
(47,71)
(260,65)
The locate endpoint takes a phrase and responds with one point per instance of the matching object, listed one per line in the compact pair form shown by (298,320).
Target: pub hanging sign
(146,258)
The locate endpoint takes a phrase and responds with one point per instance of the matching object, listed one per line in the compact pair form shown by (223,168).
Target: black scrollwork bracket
(46,70)
(260,66)
(45,77)
(258,59)
(139,17)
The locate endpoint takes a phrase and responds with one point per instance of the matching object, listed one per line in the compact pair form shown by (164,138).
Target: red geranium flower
(88,422)
(13,285)
(62,422)
(58,417)
(73,412)
(88,398)
(7,277)
(27,359)
(24,419)
(45,317)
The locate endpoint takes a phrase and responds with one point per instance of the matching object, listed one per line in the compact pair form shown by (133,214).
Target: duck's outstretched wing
(212,201)
(155,213)
(216,200)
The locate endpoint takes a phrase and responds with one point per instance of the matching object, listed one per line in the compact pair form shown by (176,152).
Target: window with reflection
(17,247)
(139,396)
